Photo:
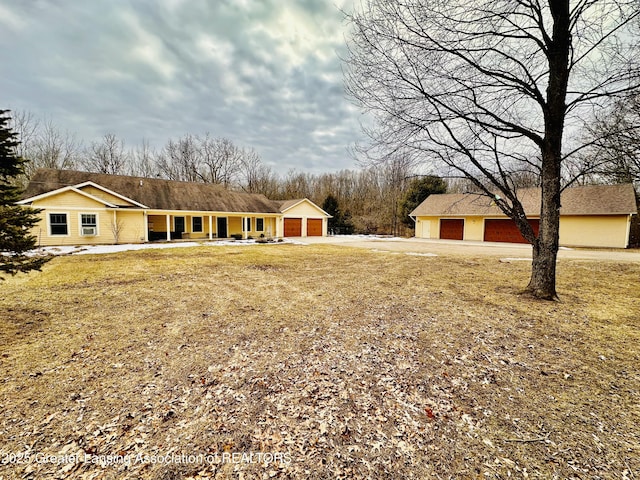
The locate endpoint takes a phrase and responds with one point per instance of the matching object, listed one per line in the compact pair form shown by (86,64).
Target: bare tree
(117,226)
(256,177)
(221,159)
(107,156)
(142,160)
(397,172)
(490,87)
(26,127)
(180,160)
(614,137)
(53,149)
(296,185)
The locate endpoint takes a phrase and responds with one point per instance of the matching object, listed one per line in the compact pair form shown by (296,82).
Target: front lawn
(290,361)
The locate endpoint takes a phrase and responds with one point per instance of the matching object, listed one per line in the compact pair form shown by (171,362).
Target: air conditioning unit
(88,231)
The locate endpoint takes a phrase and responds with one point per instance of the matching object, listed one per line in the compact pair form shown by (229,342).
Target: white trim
(626,241)
(110,192)
(81,209)
(76,189)
(159,211)
(80,226)
(308,201)
(64,190)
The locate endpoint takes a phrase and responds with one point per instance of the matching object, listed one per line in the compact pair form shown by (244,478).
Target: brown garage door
(452,229)
(314,227)
(292,227)
(506,231)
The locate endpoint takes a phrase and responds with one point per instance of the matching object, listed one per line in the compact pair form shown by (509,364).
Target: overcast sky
(263,73)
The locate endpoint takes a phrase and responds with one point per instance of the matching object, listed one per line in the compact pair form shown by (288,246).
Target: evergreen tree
(418,191)
(15,221)
(339,222)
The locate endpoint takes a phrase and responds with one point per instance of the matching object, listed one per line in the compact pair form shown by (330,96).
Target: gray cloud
(264,73)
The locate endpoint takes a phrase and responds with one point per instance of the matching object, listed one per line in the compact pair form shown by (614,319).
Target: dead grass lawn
(349,363)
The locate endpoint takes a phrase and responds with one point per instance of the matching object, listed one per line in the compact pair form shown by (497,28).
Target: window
(58,224)
(259,224)
(196,224)
(88,224)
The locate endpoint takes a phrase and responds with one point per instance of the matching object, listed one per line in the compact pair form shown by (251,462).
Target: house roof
(155,193)
(583,200)
(284,205)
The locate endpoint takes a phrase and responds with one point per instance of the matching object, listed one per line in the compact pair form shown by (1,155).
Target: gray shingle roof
(156,193)
(583,200)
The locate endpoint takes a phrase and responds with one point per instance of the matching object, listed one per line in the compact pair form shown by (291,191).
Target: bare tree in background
(51,148)
(489,88)
(221,160)
(296,185)
(25,125)
(256,177)
(143,160)
(107,156)
(180,160)
(614,152)
(397,172)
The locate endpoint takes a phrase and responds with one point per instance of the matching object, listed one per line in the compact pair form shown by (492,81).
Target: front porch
(204,226)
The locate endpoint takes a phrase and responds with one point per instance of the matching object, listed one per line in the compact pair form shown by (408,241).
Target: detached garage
(303,218)
(591,216)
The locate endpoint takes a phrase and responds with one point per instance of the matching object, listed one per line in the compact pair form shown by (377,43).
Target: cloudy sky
(264,73)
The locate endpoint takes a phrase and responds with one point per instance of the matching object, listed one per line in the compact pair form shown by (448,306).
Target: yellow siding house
(83,208)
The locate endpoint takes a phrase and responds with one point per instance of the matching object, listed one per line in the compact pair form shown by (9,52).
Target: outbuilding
(303,218)
(590,216)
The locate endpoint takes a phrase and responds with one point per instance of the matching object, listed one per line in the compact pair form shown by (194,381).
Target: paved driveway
(443,247)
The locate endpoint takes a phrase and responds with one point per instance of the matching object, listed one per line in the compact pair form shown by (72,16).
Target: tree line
(375,199)
(369,200)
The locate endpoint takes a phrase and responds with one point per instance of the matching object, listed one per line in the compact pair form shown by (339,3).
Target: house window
(259,224)
(58,224)
(196,224)
(88,224)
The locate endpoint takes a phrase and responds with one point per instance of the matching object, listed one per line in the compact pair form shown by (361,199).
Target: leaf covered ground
(288,361)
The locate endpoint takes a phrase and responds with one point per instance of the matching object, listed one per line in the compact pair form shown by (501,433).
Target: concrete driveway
(443,247)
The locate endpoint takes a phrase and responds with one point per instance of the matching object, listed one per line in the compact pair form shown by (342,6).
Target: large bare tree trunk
(545,248)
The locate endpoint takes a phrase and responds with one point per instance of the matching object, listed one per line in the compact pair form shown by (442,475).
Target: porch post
(245,228)
(168,227)
(146,226)
(210,227)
